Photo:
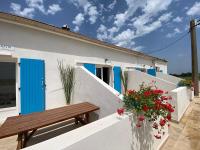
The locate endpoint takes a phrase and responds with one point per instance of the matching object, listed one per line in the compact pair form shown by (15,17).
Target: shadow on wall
(142,137)
(52,131)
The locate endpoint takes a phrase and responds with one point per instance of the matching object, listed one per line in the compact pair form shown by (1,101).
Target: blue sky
(142,25)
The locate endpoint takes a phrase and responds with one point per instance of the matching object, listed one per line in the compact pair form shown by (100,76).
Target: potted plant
(151,104)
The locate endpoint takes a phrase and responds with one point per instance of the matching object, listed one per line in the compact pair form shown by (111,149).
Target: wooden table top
(18,124)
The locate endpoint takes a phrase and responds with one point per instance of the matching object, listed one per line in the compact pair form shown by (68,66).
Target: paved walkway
(186,134)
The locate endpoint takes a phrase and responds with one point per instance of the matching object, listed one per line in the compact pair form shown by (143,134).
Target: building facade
(29,55)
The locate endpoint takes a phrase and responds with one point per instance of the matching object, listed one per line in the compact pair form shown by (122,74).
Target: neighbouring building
(29,55)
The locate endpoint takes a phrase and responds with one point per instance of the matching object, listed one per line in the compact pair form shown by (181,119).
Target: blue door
(91,68)
(151,72)
(117,78)
(32,85)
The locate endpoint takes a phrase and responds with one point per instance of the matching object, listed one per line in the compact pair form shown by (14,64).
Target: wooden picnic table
(25,125)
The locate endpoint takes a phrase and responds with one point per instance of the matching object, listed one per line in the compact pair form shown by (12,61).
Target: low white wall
(7,112)
(109,133)
(168,77)
(90,88)
(135,79)
(181,100)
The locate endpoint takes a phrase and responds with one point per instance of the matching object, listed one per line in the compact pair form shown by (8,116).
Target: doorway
(103,73)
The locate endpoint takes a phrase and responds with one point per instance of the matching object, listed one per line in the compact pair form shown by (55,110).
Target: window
(103,73)
(7,84)
(99,73)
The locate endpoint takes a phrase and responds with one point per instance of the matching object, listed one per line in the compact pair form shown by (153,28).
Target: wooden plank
(22,123)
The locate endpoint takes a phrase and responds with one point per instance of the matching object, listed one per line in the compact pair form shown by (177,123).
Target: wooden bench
(25,125)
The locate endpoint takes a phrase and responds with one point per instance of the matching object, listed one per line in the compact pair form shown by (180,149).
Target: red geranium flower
(164,98)
(162,122)
(155,125)
(169,107)
(141,118)
(138,125)
(145,108)
(158,91)
(147,93)
(131,92)
(157,136)
(170,98)
(169,117)
(120,111)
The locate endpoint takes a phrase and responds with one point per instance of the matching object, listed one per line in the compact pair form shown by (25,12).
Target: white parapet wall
(135,79)
(108,133)
(90,88)
(181,100)
(168,77)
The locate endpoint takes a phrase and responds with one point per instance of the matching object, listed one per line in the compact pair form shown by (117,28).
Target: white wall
(109,133)
(135,78)
(181,100)
(168,77)
(90,88)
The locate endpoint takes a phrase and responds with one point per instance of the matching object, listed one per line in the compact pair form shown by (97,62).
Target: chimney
(65,27)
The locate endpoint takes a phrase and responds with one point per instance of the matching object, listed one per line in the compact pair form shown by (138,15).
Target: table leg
(20,141)
(76,120)
(25,139)
(87,117)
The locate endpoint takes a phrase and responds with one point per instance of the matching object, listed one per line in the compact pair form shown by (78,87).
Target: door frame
(9,58)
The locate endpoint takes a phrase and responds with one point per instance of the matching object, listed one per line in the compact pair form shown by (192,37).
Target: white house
(29,54)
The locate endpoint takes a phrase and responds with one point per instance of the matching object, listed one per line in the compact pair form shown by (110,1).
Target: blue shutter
(117,78)
(151,72)
(91,68)
(32,85)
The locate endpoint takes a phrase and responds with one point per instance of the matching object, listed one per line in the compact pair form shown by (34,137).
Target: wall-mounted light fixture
(107,61)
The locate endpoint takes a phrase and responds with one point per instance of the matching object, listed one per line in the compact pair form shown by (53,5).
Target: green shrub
(187,83)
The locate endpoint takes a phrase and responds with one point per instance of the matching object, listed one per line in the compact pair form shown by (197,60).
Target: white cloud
(155,6)
(174,33)
(76,29)
(151,18)
(178,19)
(102,32)
(26,12)
(194,10)
(37,4)
(120,19)
(53,9)
(89,9)
(92,12)
(133,5)
(32,7)
(112,5)
(144,24)
(78,21)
